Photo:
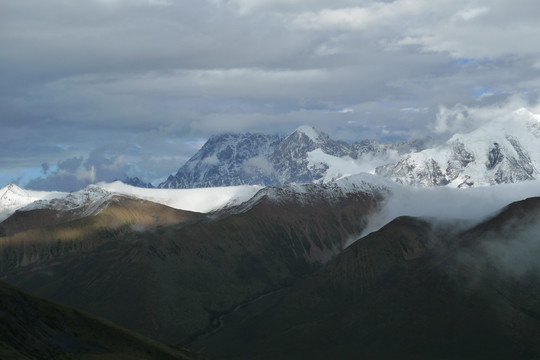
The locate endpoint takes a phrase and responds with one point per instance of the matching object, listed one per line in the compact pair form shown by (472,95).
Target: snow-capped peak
(309,131)
(12,198)
(12,192)
(504,150)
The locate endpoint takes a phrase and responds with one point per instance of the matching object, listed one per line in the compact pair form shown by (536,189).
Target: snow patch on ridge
(201,200)
(12,198)
(309,131)
(91,199)
(336,167)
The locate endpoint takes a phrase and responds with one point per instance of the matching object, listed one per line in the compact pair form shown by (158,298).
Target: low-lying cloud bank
(473,204)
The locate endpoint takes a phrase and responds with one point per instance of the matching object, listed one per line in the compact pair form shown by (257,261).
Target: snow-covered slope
(305,156)
(202,200)
(507,150)
(12,198)
(87,201)
(91,199)
(291,162)
(328,193)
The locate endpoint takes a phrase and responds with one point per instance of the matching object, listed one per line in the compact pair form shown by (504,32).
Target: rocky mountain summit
(305,156)
(500,152)
(135,181)
(505,150)
(227,159)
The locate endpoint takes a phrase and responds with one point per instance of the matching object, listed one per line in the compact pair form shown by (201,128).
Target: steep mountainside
(167,273)
(135,181)
(227,159)
(412,290)
(305,156)
(33,328)
(290,159)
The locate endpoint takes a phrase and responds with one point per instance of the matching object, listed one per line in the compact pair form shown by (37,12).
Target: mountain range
(505,150)
(420,259)
(360,266)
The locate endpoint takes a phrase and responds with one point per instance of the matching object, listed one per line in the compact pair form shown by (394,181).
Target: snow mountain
(291,159)
(135,181)
(12,198)
(305,156)
(506,150)
(225,160)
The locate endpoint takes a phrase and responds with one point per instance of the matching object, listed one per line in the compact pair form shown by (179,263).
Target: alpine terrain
(505,150)
(305,156)
(304,254)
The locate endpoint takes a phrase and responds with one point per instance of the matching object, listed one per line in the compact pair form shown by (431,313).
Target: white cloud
(469,14)
(136,2)
(473,204)
(258,164)
(450,120)
(86,175)
(377,14)
(212,160)
(412,109)
(463,119)
(476,29)
(250,6)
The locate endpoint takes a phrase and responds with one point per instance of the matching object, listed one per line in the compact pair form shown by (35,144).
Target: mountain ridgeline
(502,151)
(165,272)
(290,272)
(318,265)
(238,159)
(415,289)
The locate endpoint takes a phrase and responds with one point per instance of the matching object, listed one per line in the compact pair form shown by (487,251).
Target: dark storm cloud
(110,163)
(70,165)
(78,76)
(77,172)
(45,167)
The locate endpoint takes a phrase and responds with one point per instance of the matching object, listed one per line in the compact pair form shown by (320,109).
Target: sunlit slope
(168,278)
(115,211)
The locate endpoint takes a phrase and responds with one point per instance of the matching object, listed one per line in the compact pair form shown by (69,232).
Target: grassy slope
(167,282)
(33,328)
(400,293)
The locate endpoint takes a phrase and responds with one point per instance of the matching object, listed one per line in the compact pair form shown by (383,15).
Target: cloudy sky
(93,90)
